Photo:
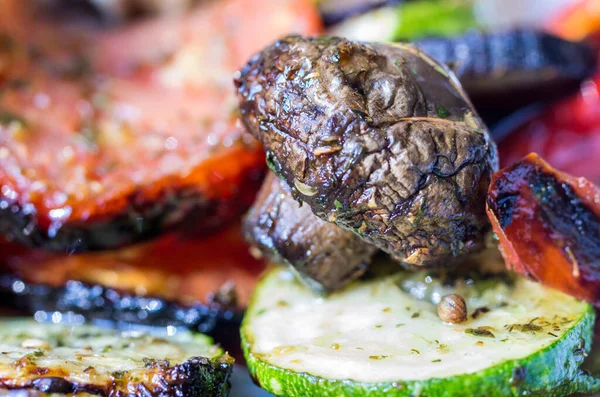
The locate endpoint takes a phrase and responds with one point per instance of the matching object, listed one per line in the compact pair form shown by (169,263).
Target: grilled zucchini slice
(53,358)
(383,337)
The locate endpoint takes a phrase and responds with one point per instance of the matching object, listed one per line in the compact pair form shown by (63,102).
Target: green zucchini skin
(553,371)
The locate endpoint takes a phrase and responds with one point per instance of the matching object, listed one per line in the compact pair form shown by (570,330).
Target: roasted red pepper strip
(111,137)
(548,224)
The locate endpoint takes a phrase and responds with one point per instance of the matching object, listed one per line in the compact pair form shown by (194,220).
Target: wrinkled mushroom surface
(376,138)
(325,255)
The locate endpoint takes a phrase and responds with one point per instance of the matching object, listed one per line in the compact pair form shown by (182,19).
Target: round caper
(452,309)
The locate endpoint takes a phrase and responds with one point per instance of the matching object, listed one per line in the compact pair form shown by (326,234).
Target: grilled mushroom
(376,138)
(326,255)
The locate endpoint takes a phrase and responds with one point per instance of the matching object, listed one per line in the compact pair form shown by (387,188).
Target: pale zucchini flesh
(384,338)
(100,361)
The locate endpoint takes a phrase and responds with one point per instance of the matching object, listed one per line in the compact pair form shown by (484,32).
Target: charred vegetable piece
(99,302)
(36,393)
(203,284)
(548,224)
(112,11)
(106,140)
(523,65)
(335,11)
(325,255)
(125,9)
(566,134)
(378,139)
(51,358)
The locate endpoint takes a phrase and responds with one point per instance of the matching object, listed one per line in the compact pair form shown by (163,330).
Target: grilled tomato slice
(110,137)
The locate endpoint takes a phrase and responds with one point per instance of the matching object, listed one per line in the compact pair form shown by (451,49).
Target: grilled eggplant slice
(335,11)
(376,138)
(52,358)
(548,224)
(325,255)
(383,337)
(524,65)
(106,140)
(203,284)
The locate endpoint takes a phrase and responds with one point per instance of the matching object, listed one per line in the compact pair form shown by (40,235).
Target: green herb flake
(89,134)
(17,84)
(436,361)
(378,326)
(580,349)
(338,205)
(415,315)
(7,118)
(443,348)
(415,351)
(78,67)
(118,374)
(400,325)
(481,332)
(7,43)
(551,334)
(273,164)
(479,311)
(529,327)
(442,112)
(362,115)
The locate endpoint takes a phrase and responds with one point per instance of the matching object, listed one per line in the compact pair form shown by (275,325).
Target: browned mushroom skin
(377,138)
(325,255)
